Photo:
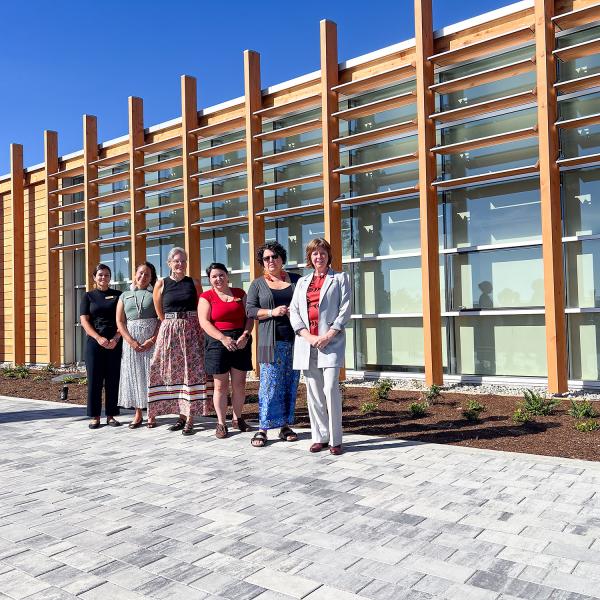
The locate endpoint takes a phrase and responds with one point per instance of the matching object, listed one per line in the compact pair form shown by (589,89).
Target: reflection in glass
(117,257)
(580,67)
(227,245)
(580,141)
(157,250)
(584,346)
(582,261)
(497,279)
(581,201)
(501,345)
(294,233)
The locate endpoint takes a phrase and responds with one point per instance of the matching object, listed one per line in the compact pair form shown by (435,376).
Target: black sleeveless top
(283,327)
(179,296)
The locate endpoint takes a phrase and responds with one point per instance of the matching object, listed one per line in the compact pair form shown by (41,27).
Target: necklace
(139,306)
(224,297)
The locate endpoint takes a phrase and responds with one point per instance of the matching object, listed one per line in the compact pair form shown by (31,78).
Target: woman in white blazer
(319,312)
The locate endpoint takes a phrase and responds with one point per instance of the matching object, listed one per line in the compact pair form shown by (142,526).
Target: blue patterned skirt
(278,387)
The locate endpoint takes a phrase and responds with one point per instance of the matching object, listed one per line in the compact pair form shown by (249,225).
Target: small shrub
(70,379)
(38,378)
(582,409)
(49,368)
(537,404)
(368,407)
(473,410)
(418,409)
(431,394)
(252,399)
(16,372)
(82,381)
(381,390)
(589,425)
(521,416)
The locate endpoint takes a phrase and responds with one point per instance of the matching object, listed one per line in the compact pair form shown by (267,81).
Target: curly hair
(275,248)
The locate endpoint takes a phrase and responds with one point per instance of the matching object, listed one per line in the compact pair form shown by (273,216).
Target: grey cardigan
(260,296)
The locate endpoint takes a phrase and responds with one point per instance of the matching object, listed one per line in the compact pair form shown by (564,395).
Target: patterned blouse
(313,295)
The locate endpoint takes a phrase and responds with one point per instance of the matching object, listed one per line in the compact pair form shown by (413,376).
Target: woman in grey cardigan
(268,300)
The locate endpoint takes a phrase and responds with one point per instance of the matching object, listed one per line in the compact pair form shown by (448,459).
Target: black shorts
(218,360)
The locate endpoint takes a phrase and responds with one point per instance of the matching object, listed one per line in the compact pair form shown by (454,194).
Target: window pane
(501,345)
(581,201)
(117,258)
(493,214)
(583,273)
(498,279)
(580,67)
(157,250)
(584,345)
(294,233)
(227,245)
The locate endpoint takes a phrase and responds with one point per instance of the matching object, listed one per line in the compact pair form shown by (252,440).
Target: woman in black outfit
(103,347)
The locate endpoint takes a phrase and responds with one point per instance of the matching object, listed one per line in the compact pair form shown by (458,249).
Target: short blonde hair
(174,251)
(313,245)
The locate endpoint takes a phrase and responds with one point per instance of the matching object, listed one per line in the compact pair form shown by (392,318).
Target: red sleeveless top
(226,315)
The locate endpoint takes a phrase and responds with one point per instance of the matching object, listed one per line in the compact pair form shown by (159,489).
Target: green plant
(82,381)
(49,368)
(16,372)
(38,378)
(368,407)
(381,390)
(473,410)
(418,409)
(69,379)
(589,425)
(431,394)
(582,409)
(521,416)
(537,404)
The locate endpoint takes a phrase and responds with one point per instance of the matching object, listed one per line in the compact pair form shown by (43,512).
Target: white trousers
(324,402)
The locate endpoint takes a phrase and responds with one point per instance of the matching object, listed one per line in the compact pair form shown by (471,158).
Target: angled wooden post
(52,257)
(554,285)
(254,173)
(90,191)
(430,268)
(17,201)
(330,131)
(136,181)
(191,210)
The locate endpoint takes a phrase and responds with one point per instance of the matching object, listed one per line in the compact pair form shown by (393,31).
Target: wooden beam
(189,143)
(17,203)
(52,239)
(90,191)
(331,131)
(554,286)
(428,209)
(137,221)
(376,81)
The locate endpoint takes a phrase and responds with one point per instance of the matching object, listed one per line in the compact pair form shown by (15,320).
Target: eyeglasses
(270,257)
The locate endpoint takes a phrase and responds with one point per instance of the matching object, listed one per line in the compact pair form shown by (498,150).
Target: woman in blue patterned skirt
(268,300)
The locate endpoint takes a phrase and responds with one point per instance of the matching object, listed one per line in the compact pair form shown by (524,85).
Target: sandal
(188,428)
(151,424)
(287,434)
(135,424)
(179,424)
(112,422)
(259,439)
(221,431)
(240,424)
(94,424)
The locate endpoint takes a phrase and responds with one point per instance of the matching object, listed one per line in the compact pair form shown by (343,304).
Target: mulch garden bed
(553,435)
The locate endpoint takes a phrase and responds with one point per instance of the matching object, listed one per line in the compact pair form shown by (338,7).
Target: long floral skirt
(278,388)
(177,379)
(133,388)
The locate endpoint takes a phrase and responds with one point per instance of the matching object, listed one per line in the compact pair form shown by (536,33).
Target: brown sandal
(188,429)
(221,431)
(151,424)
(287,434)
(240,424)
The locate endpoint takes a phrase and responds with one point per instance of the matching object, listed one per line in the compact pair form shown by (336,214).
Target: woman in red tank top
(227,344)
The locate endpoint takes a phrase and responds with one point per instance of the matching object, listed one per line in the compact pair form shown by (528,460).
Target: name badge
(109,297)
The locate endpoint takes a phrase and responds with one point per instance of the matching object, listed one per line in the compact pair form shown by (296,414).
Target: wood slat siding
(18,252)
(554,285)
(137,220)
(430,263)
(90,172)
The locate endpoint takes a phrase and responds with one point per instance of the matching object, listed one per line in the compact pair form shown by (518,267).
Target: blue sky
(61,59)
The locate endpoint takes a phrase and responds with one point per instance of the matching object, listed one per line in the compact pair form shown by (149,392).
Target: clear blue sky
(61,59)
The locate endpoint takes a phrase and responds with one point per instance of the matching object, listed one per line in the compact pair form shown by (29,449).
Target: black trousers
(103,372)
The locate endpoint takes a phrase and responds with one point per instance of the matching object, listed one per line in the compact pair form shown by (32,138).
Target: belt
(181,315)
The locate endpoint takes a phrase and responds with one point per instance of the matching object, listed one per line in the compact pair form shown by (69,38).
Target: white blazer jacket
(334,313)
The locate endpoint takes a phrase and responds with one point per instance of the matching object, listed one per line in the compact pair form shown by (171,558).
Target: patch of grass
(16,372)
(582,409)
(37,378)
(368,407)
(82,381)
(381,390)
(70,379)
(586,426)
(431,394)
(418,409)
(537,404)
(473,410)
(522,416)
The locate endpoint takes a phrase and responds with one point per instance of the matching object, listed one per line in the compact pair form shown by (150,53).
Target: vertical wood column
(256,200)
(554,285)
(430,268)
(254,173)
(53,258)
(191,210)
(17,200)
(330,131)
(136,180)
(90,172)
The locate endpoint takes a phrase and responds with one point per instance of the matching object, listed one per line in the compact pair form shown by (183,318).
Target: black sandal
(188,428)
(135,424)
(259,439)
(179,424)
(94,424)
(287,434)
(151,424)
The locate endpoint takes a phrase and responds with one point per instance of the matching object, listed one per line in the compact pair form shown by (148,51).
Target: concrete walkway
(121,514)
